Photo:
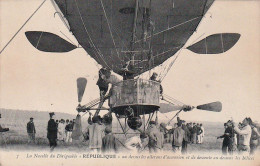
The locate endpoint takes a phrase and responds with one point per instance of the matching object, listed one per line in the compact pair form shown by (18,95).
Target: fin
(48,42)
(215,44)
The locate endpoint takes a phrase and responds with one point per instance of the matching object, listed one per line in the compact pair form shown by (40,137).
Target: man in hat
(3,129)
(154,78)
(31,131)
(199,132)
(109,141)
(194,133)
(178,136)
(52,130)
(154,137)
(227,145)
(186,138)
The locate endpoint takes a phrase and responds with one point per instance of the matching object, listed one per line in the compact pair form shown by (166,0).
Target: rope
(97,50)
(110,30)
(22,26)
(171,28)
(168,69)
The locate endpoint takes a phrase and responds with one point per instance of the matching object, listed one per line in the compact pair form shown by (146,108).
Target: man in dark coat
(52,131)
(228,139)
(194,133)
(31,131)
(185,139)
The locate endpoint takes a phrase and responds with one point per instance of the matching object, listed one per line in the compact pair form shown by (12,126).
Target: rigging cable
(97,50)
(22,26)
(110,30)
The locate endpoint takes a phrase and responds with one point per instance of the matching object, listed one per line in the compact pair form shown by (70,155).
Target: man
(202,133)
(69,129)
(154,137)
(127,71)
(109,141)
(178,136)
(52,130)
(228,138)
(95,132)
(66,129)
(185,139)
(61,130)
(31,131)
(254,137)
(102,83)
(162,131)
(245,136)
(199,132)
(154,78)
(194,133)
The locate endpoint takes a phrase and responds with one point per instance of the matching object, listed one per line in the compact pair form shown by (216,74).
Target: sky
(33,80)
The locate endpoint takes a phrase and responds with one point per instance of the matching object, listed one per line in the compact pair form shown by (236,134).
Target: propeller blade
(165,108)
(215,106)
(215,44)
(81,85)
(48,42)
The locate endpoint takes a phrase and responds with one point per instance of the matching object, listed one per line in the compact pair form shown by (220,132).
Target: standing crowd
(242,138)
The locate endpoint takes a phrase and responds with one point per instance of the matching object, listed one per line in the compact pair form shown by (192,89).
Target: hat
(152,122)
(31,117)
(51,114)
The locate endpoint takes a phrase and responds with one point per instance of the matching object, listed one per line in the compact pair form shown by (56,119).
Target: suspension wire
(97,50)
(22,26)
(171,27)
(174,100)
(69,39)
(168,69)
(110,30)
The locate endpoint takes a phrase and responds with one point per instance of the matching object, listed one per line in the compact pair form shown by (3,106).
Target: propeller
(214,106)
(81,85)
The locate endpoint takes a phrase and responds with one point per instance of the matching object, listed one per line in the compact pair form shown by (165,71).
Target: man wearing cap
(31,131)
(109,141)
(178,136)
(154,137)
(52,130)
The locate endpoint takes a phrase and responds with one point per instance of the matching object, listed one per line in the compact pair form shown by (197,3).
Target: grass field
(16,138)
